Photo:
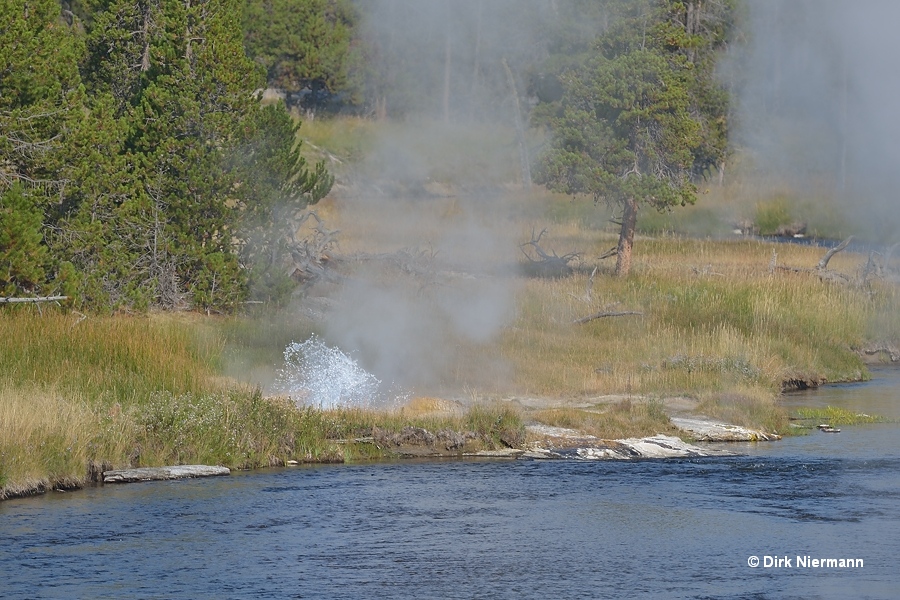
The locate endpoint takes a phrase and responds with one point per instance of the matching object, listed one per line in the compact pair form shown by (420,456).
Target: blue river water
(484,528)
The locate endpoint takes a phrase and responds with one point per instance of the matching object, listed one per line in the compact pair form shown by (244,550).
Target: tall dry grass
(714,317)
(44,440)
(121,359)
(82,395)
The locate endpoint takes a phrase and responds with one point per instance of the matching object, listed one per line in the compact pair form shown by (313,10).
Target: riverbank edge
(411,443)
(94,471)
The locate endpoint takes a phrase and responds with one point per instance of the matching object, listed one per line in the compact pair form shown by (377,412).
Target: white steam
(816,103)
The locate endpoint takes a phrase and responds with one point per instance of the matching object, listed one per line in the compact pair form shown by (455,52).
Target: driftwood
(163,473)
(29,300)
(823,263)
(309,255)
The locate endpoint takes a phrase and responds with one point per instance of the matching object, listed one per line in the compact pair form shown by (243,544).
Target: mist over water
(817,85)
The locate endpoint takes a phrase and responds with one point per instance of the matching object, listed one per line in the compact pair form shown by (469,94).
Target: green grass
(747,408)
(834,415)
(106,359)
(772,214)
(340,142)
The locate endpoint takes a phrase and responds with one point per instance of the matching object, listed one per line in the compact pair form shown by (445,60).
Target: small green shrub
(500,423)
(772,215)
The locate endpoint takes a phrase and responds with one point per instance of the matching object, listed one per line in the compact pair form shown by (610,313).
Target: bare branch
(609,253)
(32,300)
(548,264)
(604,314)
(823,264)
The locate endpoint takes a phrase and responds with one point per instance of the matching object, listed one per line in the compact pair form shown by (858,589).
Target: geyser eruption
(318,375)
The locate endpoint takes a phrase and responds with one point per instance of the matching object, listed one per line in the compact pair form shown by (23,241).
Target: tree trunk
(477,52)
(524,160)
(447,61)
(626,238)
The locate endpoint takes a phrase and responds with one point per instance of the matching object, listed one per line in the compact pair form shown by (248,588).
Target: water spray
(324,377)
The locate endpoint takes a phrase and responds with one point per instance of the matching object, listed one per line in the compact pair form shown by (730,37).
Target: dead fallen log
(163,473)
(821,268)
(547,264)
(38,299)
(604,314)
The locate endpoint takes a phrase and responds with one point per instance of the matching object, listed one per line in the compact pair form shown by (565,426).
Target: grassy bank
(712,318)
(79,396)
(717,325)
(718,320)
(715,322)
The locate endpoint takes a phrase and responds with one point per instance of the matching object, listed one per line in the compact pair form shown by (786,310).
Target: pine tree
(23,257)
(303,46)
(40,104)
(276,187)
(638,122)
(174,136)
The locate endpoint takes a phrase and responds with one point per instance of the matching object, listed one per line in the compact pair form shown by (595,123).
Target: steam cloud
(814,103)
(817,105)
(436,291)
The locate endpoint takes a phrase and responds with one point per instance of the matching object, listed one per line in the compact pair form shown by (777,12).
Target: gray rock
(705,430)
(657,446)
(162,473)
(502,453)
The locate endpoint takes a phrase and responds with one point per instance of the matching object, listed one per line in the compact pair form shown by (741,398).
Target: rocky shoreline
(547,443)
(651,447)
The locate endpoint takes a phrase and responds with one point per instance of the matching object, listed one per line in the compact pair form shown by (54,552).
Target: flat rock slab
(163,473)
(501,453)
(704,430)
(657,446)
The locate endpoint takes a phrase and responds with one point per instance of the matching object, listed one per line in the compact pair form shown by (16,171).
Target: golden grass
(714,317)
(424,406)
(44,439)
(623,419)
(717,317)
(747,407)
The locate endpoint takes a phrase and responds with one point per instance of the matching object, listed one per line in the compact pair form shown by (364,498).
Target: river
(489,528)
